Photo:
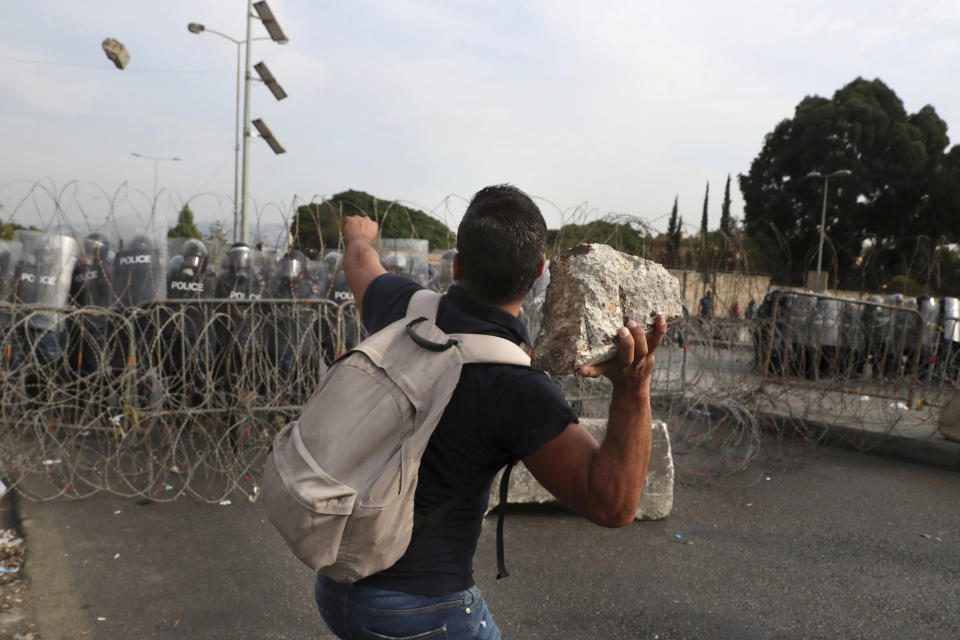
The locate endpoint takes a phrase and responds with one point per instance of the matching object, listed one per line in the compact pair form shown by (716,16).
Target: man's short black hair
(500,241)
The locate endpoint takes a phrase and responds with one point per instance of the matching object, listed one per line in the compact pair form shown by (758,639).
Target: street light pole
(246,130)
(156,162)
(193,27)
(242,167)
(823,213)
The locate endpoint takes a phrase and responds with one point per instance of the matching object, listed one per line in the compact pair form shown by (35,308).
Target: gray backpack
(340,480)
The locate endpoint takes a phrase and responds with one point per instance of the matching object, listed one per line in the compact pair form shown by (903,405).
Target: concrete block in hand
(593,291)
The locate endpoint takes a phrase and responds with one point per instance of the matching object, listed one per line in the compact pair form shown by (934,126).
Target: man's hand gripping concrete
(633,367)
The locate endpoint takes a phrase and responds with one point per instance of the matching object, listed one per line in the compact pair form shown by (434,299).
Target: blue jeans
(359,612)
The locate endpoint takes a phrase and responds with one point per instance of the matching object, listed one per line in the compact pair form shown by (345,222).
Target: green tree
(703,218)
(318,226)
(674,234)
(621,235)
(8,228)
(185,227)
(899,188)
(726,221)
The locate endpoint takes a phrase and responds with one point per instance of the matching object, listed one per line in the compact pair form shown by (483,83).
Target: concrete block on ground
(593,291)
(657,500)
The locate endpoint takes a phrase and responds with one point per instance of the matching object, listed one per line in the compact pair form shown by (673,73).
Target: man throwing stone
(497,413)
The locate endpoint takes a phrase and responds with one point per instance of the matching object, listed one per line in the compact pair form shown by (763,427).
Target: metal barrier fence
(172,398)
(806,362)
(184,397)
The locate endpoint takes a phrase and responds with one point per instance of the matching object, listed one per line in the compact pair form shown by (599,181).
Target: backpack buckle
(423,342)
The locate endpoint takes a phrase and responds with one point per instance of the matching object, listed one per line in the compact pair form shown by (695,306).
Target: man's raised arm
(604,483)
(361,262)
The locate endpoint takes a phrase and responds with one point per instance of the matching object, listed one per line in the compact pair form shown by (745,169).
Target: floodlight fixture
(270,81)
(267,136)
(195,27)
(270,22)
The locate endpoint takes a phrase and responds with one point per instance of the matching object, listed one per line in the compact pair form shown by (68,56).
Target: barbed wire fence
(182,398)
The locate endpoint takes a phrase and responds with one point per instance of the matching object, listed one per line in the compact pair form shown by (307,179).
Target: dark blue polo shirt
(497,413)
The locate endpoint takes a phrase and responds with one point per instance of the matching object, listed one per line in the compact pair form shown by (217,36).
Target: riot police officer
(90,344)
(418,270)
(396,264)
(289,332)
(336,341)
(239,278)
(189,276)
(189,342)
(239,281)
(43,278)
(137,273)
(444,278)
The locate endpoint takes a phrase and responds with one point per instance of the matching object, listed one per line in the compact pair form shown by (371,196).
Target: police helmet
(239,256)
(395,263)
(332,258)
(141,244)
(292,265)
(96,245)
(194,255)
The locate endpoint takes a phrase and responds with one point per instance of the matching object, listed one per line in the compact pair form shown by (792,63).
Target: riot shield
(10,251)
(407,257)
(920,341)
(239,275)
(290,333)
(532,308)
(139,274)
(92,273)
(37,336)
(340,328)
(239,281)
(43,275)
(319,274)
(801,336)
(270,263)
(949,347)
(852,338)
(443,278)
(89,330)
(189,275)
(782,356)
(188,340)
(824,334)
(878,325)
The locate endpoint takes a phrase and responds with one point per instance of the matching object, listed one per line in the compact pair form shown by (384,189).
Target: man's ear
(543,261)
(457,267)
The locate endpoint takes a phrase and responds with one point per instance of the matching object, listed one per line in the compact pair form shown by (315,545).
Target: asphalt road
(834,545)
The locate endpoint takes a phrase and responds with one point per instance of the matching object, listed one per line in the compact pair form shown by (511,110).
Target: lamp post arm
(223,35)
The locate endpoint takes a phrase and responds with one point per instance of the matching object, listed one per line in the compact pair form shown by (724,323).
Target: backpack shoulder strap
(478,348)
(474,347)
(424,304)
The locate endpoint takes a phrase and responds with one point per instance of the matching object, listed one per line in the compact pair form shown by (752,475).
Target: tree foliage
(674,234)
(318,226)
(703,218)
(903,186)
(7,229)
(185,227)
(726,220)
(621,235)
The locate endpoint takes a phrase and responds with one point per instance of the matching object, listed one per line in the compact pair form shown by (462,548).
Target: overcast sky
(593,107)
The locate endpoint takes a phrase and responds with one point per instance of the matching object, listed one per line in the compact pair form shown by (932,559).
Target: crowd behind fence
(184,397)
